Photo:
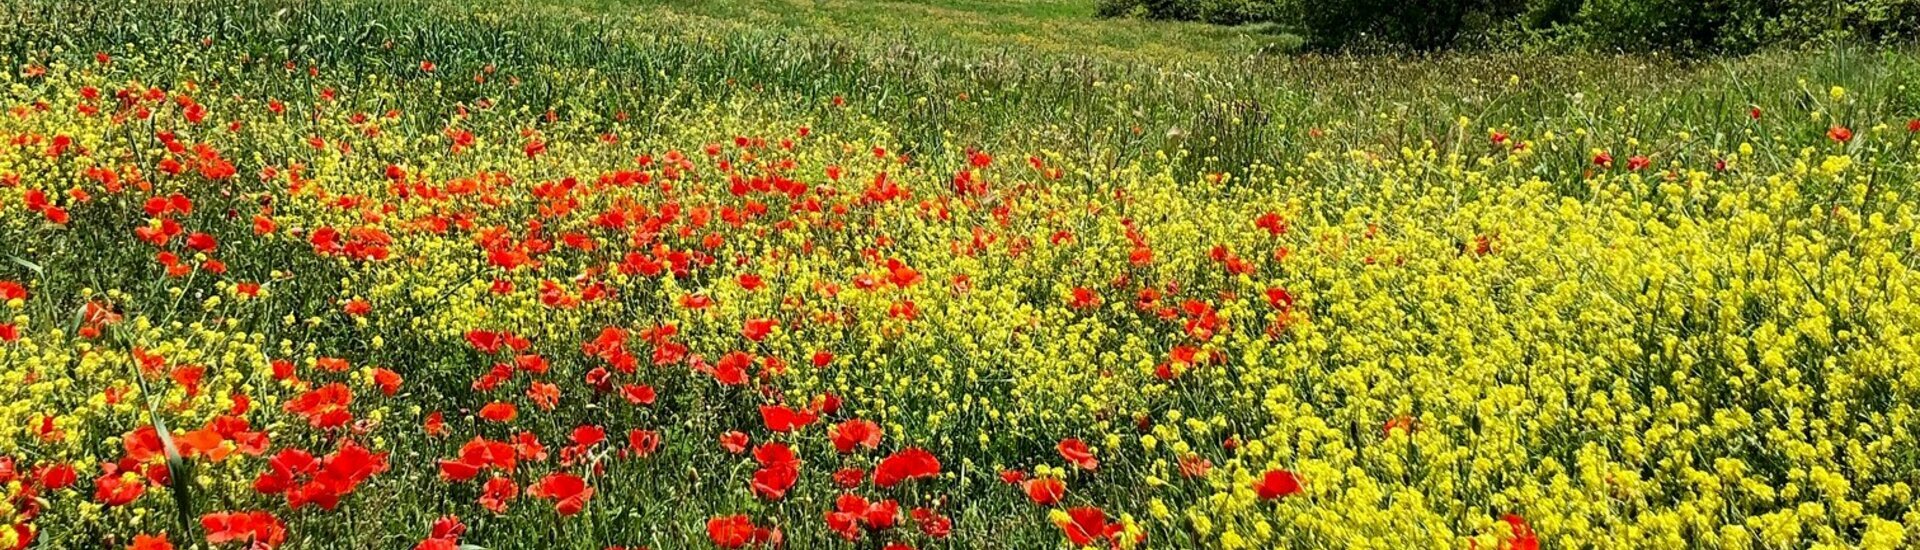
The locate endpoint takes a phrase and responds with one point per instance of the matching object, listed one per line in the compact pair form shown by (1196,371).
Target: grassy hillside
(419,274)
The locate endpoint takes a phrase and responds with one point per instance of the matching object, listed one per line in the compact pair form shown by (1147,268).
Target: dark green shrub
(1238,12)
(1219,12)
(1685,27)
(1739,26)
(1115,8)
(1419,25)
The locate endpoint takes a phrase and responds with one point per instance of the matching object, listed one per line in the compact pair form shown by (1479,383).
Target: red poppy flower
(283,471)
(150,542)
(846,523)
(638,394)
(735,531)
(435,424)
(477,455)
(1086,524)
(826,403)
(907,464)
(643,443)
(259,529)
(881,515)
(734,442)
(849,477)
(202,242)
(499,411)
(782,419)
(1523,536)
(1045,491)
(528,447)
(779,470)
(1638,162)
(1277,484)
(323,481)
(851,513)
(749,282)
(263,225)
(325,407)
(1840,134)
(448,527)
(531,363)
(696,301)
(59,476)
(934,524)
(588,435)
(1077,454)
(570,492)
(758,329)
(545,395)
(115,489)
(486,341)
(388,381)
(142,444)
(856,432)
(732,369)
(497,493)
(189,377)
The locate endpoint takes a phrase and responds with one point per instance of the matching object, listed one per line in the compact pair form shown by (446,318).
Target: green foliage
(1417,24)
(1733,26)
(1219,12)
(1686,27)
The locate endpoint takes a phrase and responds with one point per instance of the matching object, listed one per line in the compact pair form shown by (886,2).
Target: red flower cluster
(851,513)
(569,492)
(779,470)
(738,531)
(322,482)
(908,464)
(255,529)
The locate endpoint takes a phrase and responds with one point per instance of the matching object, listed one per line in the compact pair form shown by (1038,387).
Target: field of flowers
(406,274)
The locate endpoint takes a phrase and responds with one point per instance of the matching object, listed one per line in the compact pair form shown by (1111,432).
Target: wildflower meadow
(577,274)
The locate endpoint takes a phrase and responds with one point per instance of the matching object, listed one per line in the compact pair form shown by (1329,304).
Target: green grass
(1054,27)
(941,88)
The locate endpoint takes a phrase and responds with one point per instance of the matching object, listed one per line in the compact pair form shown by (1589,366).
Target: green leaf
(35,268)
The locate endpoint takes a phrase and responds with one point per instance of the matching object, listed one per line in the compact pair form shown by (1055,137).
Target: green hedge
(1679,26)
(1219,12)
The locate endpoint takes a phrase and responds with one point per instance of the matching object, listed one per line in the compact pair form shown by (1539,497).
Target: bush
(1237,12)
(1687,27)
(1739,26)
(1116,8)
(1410,24)
(1218,12)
